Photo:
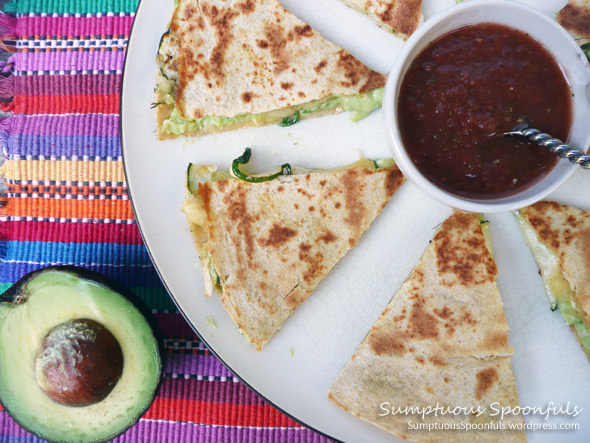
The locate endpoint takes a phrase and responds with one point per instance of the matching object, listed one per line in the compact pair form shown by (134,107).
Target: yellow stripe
(44,170)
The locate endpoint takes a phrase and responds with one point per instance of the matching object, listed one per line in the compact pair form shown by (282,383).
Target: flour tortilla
(401,17)
(272,243)
(575,18)
(566,231)
(234,57)
(441,340)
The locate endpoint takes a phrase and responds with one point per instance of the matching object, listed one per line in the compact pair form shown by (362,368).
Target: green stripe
(4,287)
(70,6)
(155,298)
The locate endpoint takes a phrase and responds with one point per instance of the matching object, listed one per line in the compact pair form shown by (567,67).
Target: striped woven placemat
(67,203)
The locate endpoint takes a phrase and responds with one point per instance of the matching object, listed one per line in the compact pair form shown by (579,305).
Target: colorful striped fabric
(67,203)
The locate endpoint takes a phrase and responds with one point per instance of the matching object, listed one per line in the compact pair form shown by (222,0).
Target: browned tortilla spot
(247,7)
(312,260)
(492,342)
(443,313)
(327,237)
(485,380)
(277,42)
(354,207)
(278,235)
(384,343)
(321,65)
(437,361)
(422,325)
(468,262)
(263,44)
(394,180)
(237,212)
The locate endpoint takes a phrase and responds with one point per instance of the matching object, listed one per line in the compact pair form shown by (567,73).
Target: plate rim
(153,262)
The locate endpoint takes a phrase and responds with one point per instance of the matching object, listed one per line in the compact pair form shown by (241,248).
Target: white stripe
(51,263)
(83,72)
(78,43)
(258,428)
(76,14)
(68,220)
(64,158)
(65,196)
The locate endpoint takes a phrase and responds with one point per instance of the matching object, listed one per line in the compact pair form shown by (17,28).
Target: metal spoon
(551,144)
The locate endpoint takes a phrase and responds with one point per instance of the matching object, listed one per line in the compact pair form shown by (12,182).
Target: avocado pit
(78,363)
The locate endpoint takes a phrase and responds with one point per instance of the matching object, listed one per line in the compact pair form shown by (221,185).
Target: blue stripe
(60,145)
(131,277)
(69,252)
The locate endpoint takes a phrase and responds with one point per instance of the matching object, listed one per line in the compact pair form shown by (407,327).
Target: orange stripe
(64,170)
(50,207)
(222,414)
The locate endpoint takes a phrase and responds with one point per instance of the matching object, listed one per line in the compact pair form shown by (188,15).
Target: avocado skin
(13,296)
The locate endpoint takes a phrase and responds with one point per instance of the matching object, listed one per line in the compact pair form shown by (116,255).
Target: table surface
(66,202)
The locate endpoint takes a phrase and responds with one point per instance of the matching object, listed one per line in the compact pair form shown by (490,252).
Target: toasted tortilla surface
(575,18)
(566,230)
(238,57)
(442,340)
(399,16)
(272,243)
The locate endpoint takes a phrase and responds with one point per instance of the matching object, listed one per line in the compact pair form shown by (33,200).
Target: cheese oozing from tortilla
(556,286)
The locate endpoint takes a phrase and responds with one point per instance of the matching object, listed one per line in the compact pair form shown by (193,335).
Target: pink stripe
(68,61)
(61,84)
(175,324)
(73,26)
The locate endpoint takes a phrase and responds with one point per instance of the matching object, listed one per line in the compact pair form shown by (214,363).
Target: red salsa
(468,87)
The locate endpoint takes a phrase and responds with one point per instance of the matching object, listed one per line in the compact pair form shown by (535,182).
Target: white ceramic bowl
(543,29)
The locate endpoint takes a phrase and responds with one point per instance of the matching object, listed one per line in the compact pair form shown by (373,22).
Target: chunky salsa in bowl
(467,77)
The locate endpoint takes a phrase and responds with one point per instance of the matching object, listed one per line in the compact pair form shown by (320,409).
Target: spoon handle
(552,144)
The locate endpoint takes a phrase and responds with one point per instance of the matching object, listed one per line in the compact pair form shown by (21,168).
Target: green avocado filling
(360,105)
(556,286)
(485,229)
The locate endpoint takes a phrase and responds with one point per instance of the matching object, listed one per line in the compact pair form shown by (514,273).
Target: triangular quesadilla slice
(575,18)
(267,242)
(226,64)
(402,17)
(559,238)
(441,342)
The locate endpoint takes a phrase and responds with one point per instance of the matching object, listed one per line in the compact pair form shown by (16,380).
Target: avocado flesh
(556,286)
(50,298)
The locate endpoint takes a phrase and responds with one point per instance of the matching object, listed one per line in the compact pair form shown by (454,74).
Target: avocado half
(57,324)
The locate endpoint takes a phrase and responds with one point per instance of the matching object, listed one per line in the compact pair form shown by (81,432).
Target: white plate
(296,368)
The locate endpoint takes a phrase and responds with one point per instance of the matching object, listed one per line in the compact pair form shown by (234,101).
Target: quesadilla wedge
(440,342)
(575,18)
(227,64)
(401,17)
(266,242)
(559,238)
